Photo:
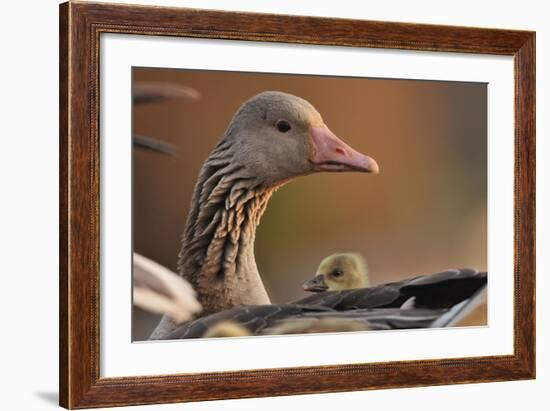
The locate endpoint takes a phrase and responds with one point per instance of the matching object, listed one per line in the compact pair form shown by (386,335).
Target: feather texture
(443,298)
(254,158)
(161,291)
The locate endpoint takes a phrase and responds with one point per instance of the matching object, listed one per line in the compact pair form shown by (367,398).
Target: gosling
(343,271)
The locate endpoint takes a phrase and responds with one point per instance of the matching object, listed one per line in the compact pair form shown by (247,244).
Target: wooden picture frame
(80,27)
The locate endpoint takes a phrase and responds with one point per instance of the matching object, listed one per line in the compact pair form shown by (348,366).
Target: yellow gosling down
(316,325)
(342,271)
(226,329)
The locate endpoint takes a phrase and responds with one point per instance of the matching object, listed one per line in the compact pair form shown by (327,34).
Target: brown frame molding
(81,24)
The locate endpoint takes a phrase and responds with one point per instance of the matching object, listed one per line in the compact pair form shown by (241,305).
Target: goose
(347,271)
(341,271)
(273,138)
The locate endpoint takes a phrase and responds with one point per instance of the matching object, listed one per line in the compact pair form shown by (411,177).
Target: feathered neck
(217,254)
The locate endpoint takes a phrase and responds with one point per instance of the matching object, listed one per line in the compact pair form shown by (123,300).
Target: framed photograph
(259,205)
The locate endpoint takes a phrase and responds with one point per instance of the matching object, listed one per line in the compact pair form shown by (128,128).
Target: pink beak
(332,154)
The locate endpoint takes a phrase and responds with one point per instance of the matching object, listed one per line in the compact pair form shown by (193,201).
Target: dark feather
(440,290)
(253,317)
(439,300)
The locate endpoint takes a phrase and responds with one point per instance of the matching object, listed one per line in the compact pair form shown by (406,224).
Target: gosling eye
(283,126)
(337,273)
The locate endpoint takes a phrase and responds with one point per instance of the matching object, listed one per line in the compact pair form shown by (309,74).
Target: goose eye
(337,273)
(283,126)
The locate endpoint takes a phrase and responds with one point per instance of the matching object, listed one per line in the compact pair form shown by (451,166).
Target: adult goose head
(336,272)
(273,138)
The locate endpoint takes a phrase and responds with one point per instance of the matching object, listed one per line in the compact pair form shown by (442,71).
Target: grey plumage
(273,138)
(439,290)
(440,300)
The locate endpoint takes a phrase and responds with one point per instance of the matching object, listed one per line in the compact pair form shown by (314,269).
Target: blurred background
(425,211)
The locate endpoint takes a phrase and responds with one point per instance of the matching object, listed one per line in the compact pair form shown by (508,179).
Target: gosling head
(336,272)
(277,136)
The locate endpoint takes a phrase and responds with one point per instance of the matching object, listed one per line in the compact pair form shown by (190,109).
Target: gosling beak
(332,154)
(316,284)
